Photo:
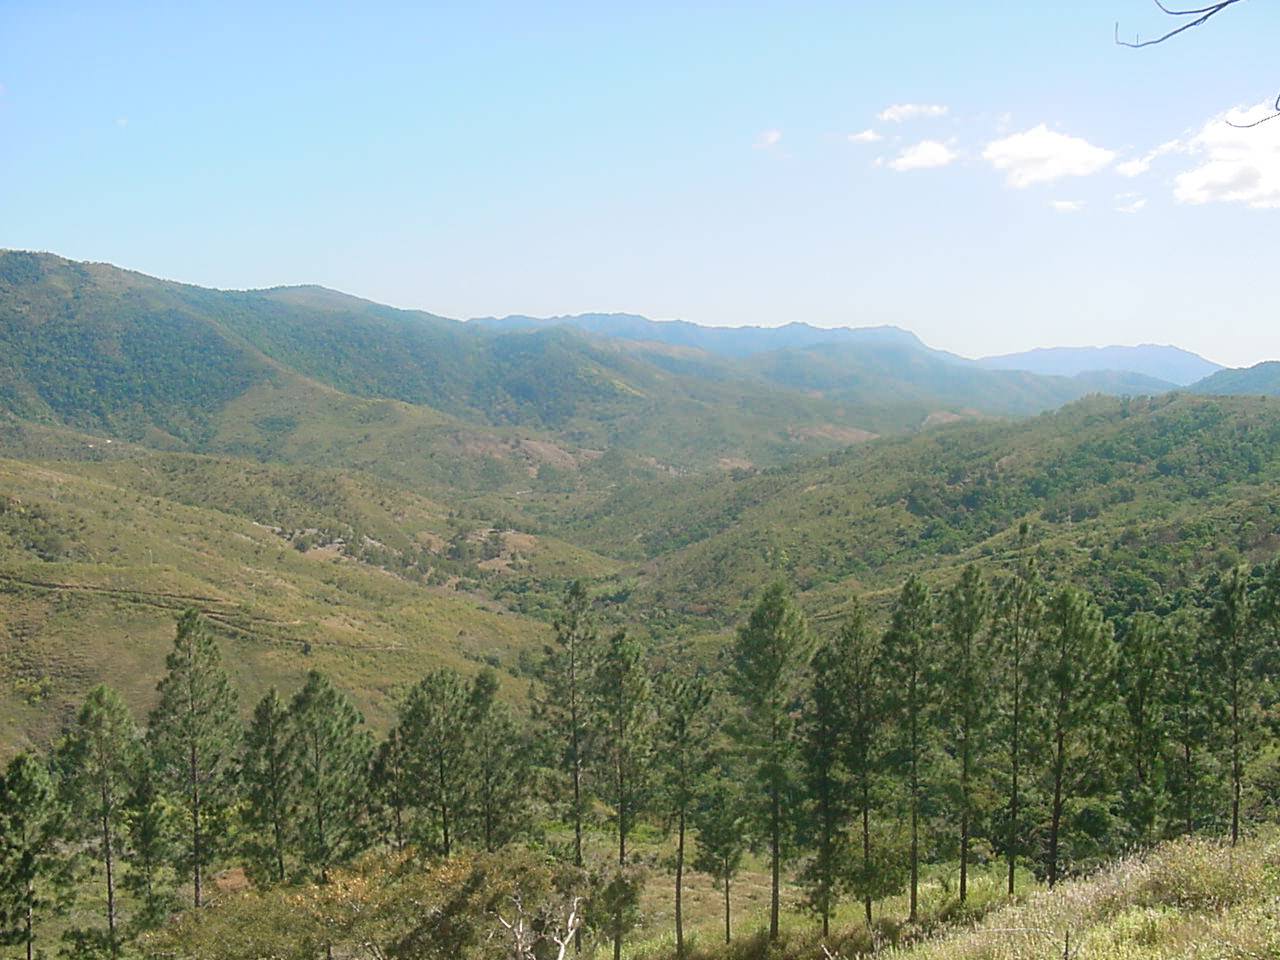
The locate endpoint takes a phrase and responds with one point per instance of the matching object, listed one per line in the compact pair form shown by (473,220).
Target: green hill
(1262,379)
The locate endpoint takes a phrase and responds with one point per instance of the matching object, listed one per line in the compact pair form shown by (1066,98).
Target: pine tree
(499,768)
(1018,624)
(622,698)
(909,649)
(152,828)
(35,872)
(684,712)
(769,658)
(1141,679)
(966,664)
(390,790)
(96,761)
(437,757)
(331,754)
(1074,671)
(1188,706)
(859,652)
(563,708)
(194,733)
(721,824)
(1234,635)
(268,774)
(822,735)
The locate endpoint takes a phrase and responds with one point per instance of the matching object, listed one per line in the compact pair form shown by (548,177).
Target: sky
(992,176)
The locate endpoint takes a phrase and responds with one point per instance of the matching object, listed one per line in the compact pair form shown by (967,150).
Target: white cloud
(1040,155)
(1140,165)
(923,156)
(899,112)
(769,138)
(1129,202)
(866,136)
(1067,206)
(1235,165)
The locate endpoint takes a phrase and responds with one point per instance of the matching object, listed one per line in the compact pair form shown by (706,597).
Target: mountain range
(371,491)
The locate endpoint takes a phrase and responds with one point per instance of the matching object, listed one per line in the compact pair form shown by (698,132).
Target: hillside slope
(1262,379)
(1136,498)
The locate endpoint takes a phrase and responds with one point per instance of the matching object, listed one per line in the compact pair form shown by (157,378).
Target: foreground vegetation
(1014,723)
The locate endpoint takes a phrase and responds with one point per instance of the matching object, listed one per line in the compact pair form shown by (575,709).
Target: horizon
(993,182)
(630,313)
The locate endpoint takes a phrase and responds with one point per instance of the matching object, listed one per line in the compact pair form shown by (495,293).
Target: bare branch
(1275,112)
(1201,14)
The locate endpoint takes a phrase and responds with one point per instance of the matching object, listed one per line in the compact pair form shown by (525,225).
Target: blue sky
(699,161)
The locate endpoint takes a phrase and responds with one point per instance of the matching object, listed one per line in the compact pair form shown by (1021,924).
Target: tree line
(1003,718)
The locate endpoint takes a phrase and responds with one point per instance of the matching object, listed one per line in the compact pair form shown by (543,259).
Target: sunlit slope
(296,568)
(1136,498)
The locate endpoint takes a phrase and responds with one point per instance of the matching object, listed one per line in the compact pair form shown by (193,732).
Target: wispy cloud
(1041,155)
(1067,206)
(898,112)
(1235,165)
(924,155)
(767,139)
(1130,202)
(866,136)
(1140,165)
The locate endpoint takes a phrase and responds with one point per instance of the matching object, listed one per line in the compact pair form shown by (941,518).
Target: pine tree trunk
(30,926)
(1015,745)
(866,846)
(775,856)
(1236,772)
(1186,785)
(108,859)
(915,828)
(679,886)
(1055,824)
(727,928)
(197,846)
(964,816)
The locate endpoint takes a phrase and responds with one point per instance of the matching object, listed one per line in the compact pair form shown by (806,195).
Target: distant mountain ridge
(1146,367)
(1172,364)
(733,342)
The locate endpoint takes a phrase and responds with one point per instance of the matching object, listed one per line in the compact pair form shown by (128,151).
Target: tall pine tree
(1019,619)
(268,774)
(624,708)
(1074,672)
(194,734)
(684,709)
(909,652)
(563,706)
(332,754)
(966,664)
(35,870)
(1141,679)
(859,652)
(822,736)
(1236,648)
(499,766)
(770,656)
(437,758)
(721,825)
(97,760)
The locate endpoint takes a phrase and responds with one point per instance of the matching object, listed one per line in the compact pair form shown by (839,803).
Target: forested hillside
(712,617)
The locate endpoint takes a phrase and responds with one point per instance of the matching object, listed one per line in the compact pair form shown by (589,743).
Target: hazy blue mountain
(735,342)
(1262,379)
(1170,364)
